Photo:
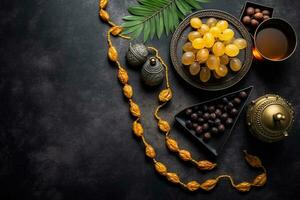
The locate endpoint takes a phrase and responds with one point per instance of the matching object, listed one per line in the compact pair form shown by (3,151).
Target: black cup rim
(288,24)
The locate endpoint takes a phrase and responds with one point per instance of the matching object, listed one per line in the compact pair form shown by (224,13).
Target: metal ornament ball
(137,54)
(152,72)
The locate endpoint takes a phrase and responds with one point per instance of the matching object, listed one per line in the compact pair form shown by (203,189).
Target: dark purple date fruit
(194,116)
(188,112)
(199,130)
(213,116)
(206,136)
(254,23)
(237,101)
(258,16)
(189,124)
(257,10)
(218,112)
(224,116)
(199,113)
(229,122)
(225,100)
(266,12)
(266,17)
(220,106)
(250,11)
(243,95)
(195,125)
(221,128)
(201,120)
(247,20)
(211,122)
(218,122)
(211,109)
(205,126)
(206,116)
(234,112)
(230,105)
(214,130)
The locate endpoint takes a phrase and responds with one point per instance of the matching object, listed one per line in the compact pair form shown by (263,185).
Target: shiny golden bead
(137,129)
(116,30)
(193,186)
(205,165)
(104,15)
(185,155)
(150,152)
(123,76)
(209,184)
(113,54)
(172,145)
(164,126)
(172,177)
(103,3)
(260,180)
(160,168)
(165,95)
(243,187)
(127,91)
(134,109)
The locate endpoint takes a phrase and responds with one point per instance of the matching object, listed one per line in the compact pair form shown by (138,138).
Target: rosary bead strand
(165,96)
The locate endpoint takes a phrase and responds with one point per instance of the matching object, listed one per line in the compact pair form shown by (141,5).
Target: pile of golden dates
(211,49)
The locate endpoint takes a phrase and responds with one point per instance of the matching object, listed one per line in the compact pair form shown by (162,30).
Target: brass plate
(180,37)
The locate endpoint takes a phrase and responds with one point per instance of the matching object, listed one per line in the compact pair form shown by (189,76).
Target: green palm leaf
(156,17)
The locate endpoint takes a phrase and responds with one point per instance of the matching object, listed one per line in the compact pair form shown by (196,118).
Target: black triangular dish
(218,140)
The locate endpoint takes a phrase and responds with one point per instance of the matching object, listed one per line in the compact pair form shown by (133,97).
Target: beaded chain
(164,97)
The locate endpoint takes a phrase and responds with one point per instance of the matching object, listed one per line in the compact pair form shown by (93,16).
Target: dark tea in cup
(275,40)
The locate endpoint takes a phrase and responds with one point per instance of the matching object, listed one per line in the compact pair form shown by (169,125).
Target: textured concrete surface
(65,127)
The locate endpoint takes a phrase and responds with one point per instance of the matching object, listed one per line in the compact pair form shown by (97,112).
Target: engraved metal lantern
(152,72)
(270,118)
(137,55)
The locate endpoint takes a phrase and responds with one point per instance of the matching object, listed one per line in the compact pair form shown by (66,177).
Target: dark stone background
(65,130)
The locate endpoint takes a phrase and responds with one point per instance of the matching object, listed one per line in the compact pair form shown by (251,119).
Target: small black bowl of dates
(253,14)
